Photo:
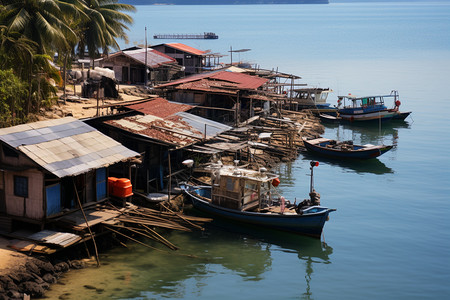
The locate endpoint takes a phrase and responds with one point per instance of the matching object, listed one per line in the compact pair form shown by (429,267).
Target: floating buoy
(276,182)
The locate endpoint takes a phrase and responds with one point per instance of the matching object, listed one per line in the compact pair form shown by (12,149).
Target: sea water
(390,235)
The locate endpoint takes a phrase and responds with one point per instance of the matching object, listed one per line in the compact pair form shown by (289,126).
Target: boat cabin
(351,101)
(310,98)
(354,102)
(241,189)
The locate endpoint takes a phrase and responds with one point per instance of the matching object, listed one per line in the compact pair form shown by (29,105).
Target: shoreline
(28,277)
(22,275)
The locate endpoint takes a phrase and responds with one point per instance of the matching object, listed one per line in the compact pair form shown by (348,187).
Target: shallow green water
(390,235)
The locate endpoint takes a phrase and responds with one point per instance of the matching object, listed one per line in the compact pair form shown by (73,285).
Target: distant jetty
(220,2)
(204,36)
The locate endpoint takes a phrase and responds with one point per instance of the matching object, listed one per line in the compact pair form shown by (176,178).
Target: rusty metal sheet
(186,48)
(160,107)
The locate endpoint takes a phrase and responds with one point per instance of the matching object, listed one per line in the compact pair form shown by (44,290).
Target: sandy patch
(9,258)
(87,108)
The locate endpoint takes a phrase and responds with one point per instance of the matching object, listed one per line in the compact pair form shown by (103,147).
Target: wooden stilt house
(48,167)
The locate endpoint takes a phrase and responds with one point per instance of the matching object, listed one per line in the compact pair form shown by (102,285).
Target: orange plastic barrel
(111,183)
(123,188)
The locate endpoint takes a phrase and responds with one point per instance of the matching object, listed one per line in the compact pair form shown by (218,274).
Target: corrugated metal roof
(212,86)
(186,48)
(190,78)
(212,128)
(65,147)
(154,57)
(242,81)
(160,107)
(61,239)
(181,129)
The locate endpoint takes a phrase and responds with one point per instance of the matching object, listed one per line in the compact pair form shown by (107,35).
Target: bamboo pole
(168,244)
(184,219)
(159,237)
(87,223)
(148,246)
(134,240)
(170,176)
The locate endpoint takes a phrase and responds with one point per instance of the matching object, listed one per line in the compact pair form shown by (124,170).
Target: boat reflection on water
(252,264)
(373,166)
(306,247)
(387,133)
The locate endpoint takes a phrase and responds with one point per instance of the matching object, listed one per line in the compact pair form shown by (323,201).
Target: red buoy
(276,182)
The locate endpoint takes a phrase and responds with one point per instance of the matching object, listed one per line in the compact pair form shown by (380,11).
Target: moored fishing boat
(367,109)
(346,149)
(248,196)
(311,98)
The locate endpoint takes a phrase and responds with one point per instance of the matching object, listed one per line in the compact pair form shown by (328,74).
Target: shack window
(230,184)
(21,186)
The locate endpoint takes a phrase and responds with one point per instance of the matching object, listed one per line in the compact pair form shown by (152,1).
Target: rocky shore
(25,277)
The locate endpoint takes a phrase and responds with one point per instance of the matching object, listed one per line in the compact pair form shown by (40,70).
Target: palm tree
(41,21)
(44,22)
(15,50)
(107,22)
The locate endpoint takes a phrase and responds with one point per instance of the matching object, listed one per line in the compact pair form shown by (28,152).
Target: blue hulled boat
(344,150)
(367,109)
(249,196)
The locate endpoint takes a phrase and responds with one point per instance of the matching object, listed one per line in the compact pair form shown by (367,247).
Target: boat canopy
(363,101)
(368,100)
(240,188)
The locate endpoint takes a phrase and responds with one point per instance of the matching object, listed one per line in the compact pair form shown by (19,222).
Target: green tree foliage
(31,31)
(41,21)
(13,95)
(16,51)
(106,22)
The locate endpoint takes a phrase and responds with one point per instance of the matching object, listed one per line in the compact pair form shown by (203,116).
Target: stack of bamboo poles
(141,222)
(286,133)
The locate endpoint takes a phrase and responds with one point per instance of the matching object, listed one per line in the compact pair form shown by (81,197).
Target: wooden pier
(204,36)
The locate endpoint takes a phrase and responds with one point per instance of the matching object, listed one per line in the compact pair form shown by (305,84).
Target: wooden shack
(160,130)
(190,58)
(48,167)
(223,96)
(130,66)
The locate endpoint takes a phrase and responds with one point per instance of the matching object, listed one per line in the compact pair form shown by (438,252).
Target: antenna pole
(146,49)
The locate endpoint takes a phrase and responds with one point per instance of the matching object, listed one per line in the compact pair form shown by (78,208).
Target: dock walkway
(204,36)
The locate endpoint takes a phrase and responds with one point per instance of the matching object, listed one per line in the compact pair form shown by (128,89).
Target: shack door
(101,183)
(53,197)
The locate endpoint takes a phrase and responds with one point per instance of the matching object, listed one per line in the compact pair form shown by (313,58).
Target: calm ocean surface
(390,235)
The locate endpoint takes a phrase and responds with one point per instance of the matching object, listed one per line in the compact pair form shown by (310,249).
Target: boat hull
(310,223)
(361,152)
(367,117)
(401,115)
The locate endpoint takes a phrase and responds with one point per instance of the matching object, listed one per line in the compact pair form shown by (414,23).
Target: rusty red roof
(160,107)
(186,48)
(244,81)
(181,129)
(207,85)
(240,80)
